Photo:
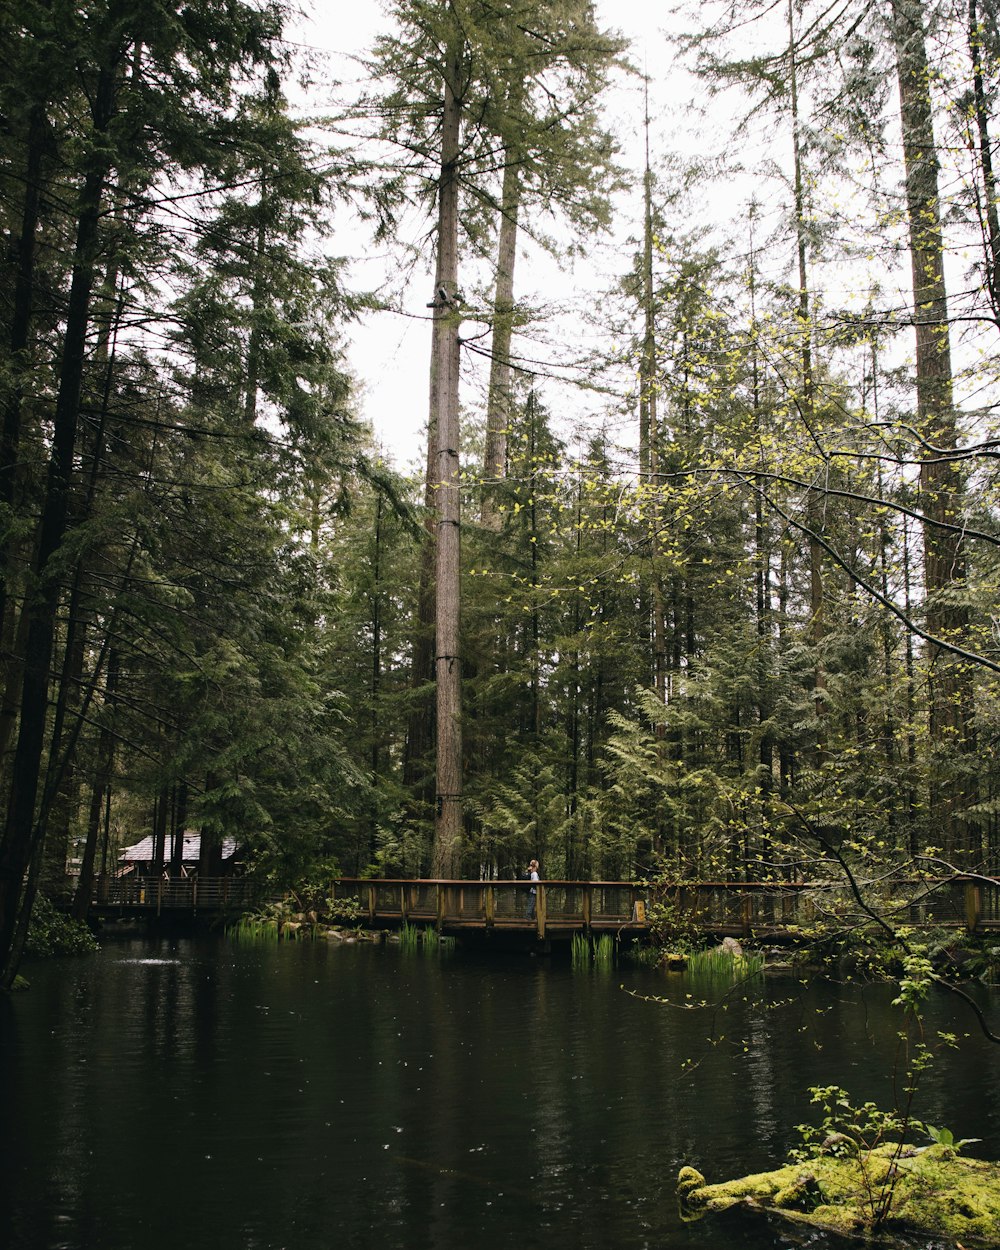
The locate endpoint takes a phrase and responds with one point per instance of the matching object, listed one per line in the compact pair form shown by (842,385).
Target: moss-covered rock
(931,1192)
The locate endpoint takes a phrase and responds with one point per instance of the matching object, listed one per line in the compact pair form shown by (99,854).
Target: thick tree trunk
(448,664)
(420,721)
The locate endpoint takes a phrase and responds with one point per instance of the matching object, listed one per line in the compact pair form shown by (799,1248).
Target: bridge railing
(493,904)
(156,894)
(957,901)
(734,907)
(721,906)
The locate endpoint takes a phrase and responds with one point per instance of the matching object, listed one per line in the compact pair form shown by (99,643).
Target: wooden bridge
(560,909)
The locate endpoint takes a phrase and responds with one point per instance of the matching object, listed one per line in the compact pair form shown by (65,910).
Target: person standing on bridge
(533,891)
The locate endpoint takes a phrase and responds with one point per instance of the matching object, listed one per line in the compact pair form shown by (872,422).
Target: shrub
(51,932)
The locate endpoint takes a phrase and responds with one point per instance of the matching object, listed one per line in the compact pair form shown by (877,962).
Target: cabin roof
(142,852)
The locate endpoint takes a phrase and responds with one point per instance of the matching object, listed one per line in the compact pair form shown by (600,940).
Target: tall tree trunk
(762,575)
(420,721)
(649,439)
(375,685)
(60,792)
(161,822)
(940,486)
(258,296)
(447,660)
(18,338)
(210,856)
(102,784)
(16,847)
(498,408)
(807,402)
(179,809)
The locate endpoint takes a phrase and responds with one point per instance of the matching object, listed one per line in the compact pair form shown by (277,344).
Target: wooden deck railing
(157,894)
(560,908)
(742,908)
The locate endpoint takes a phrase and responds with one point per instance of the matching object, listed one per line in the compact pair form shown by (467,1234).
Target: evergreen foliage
(743,626)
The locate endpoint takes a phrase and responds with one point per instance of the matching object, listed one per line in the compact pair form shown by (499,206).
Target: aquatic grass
(604,951)
(597,952)
(580,951)
(253,929)
(720,966)
(415,938)
(409,938)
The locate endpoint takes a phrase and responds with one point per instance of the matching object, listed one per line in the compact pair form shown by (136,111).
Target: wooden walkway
(559,909)
(634,909)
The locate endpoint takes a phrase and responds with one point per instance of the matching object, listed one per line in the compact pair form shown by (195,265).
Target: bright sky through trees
(389,351)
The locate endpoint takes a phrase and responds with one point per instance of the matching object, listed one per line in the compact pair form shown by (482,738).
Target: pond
(200,1093)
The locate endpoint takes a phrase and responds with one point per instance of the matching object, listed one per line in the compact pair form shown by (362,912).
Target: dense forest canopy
(701,578)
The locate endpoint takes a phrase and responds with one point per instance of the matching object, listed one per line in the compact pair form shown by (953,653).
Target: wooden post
(540,911)
(587,910)
(490,900)
(746,914)
(440,907)
(371,904)
(973,906)
(402,902)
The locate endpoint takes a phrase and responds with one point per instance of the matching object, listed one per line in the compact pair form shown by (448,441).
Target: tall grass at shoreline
(722,967)
(413,938)
(586,952)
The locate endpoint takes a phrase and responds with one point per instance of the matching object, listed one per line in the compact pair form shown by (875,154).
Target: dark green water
(206,1095)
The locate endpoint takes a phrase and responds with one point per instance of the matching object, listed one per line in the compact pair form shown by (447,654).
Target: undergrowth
(52,932)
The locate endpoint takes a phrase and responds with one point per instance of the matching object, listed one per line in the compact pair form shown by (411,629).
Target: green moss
(931,1192)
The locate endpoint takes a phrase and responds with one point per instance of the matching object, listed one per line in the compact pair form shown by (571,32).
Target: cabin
(139,859)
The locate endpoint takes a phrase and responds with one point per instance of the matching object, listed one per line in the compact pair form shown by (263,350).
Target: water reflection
(207,1095)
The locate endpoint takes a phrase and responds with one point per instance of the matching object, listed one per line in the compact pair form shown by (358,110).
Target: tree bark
(649,440)
(498,409)
(447,665)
